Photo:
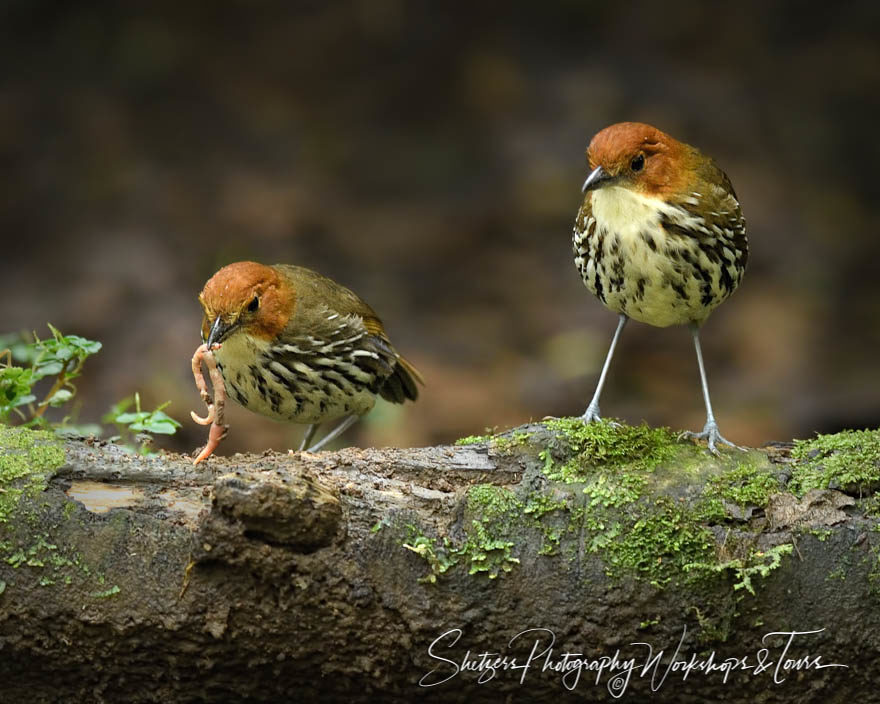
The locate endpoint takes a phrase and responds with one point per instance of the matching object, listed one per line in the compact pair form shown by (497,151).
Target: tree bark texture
(388,574)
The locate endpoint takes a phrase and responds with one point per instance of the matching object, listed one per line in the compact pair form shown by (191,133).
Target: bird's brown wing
(716,225)
(721,210)
(400,385)
(327,310)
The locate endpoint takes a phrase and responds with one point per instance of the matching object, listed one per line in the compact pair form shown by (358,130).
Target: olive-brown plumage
(659,237)
(296,346)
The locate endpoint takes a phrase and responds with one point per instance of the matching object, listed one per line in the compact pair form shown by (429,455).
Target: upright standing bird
(660,238)
(296,346)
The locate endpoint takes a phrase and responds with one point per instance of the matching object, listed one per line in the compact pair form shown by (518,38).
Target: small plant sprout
(53,364)
(139,422)
(61,357)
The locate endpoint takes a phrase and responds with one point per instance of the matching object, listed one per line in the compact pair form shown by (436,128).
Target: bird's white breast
(640,271)
(629,213)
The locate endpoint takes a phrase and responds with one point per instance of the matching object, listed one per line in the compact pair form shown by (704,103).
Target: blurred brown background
(429,155)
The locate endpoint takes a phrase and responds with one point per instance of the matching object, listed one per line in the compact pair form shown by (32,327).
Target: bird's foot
(712,436)
(592,414)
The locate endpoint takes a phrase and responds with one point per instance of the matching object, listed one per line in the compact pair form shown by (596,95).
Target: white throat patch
(627,212)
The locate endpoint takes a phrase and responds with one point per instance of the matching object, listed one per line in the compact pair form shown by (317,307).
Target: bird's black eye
(638,163)
(254,304)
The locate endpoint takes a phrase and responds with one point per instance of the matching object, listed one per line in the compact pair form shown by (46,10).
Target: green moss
(644,521)
(757,564)
(27,459)
(69,509)
(486,552)
(112,591)
(493,515)
(657,544)
(492,503)
(497,514)
(473,440)
(839,573)
(874,572)
(750,483)
(602,444)
(710,510)
(821,534)
(553,517)
(439,555)
(636,498)
(498,443)
(746,485)
(509,443)
(871,506)
(848,460)
(625,526)
(539,505)
(613,463)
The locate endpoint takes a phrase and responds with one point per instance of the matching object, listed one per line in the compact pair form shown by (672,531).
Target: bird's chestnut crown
(636,156)
(246,297)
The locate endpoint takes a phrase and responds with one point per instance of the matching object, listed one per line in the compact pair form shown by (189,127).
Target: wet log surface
(367,575)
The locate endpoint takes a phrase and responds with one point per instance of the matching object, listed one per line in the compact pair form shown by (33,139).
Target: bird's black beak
(219,330)
(597,178)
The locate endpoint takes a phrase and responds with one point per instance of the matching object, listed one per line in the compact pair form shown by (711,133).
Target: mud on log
(387,574)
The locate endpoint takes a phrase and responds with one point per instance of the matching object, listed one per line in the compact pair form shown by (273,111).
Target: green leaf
(86,347)
(162,417)
(61,349)
(112,416)
(21,350)
(162,427)
(15,388)
(128,418)
(60,397)
(64,352)
(142,421)
(43,369)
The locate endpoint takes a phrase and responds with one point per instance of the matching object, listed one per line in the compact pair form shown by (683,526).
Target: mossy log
(552,560)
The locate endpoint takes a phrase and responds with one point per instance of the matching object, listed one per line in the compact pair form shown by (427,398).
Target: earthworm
(216,405)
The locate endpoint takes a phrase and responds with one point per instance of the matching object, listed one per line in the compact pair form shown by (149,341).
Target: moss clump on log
(27,459)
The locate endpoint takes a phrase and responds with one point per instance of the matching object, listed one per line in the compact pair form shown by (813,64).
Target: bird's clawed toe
(591,414)
(712,436)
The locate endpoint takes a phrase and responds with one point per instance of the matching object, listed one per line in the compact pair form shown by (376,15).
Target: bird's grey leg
(710,432)
(335,433)
(307,438)
(592,412)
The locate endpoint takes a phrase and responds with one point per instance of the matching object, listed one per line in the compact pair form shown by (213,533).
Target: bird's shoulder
(712,200)
(313,291)
(328,310)
(715,191)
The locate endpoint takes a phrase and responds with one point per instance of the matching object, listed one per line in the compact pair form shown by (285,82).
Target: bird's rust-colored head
(639,157)
(246,297)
